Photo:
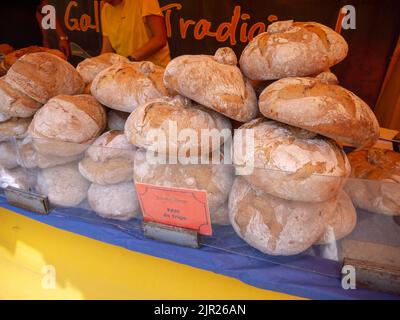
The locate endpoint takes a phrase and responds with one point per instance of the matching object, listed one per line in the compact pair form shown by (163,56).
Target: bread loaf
(215,82)
(66,125)
(375,180)
(29,158)
(15,103)
(109,160)
(342,222)
(176,116)
(289,162)
(90,67)
(63,185)
(329,110)
(42,76)
(276,226)
(215,179)
(14,127)
(116,120)
(291,49)
(125,86)
(13,56)
(117,201)
(8,155)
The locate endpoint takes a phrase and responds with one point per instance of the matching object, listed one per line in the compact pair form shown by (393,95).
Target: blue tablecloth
(224,253)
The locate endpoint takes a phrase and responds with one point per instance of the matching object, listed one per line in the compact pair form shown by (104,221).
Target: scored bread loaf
(14,128)
(8,155)
(42,75)
(176,118)
(15,103)
(109,160)
(90,67)
(116,120)
(117,201)
(66,125)
(327,109)
(215,82)
(289,162)
(125,86)
(342,222)
(374,184)
(273,225)
(13,56)
(63,185)
(29,157)
(290,49)
(216,179)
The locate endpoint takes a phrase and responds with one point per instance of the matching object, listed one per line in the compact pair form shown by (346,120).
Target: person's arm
(106,46)
(157,41)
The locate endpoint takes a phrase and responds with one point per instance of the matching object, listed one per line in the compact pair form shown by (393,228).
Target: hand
(65,47)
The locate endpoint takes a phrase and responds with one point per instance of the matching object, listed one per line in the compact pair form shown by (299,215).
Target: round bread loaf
(28,157)
(4,117)
(13,56)
(375,180)
(15,103)
(90,67)
(109,160)
(66,125)
(289,162)
(125,86)
(8,155)
(5,48)
(216,179)
(182,124)
(19,178)
(14,127)
(117,201)
(215,82)
(291,49)
(42,75)
(63,185)
(327,109)
(116,120)
(342,222)
(276,226)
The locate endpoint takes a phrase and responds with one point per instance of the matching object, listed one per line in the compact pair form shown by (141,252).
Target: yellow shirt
(125,27)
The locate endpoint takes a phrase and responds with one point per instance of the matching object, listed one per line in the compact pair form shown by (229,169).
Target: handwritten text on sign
(185,208)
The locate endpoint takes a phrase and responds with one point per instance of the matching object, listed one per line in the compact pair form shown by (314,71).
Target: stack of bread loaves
(153,163)
(108,165)
(290,194)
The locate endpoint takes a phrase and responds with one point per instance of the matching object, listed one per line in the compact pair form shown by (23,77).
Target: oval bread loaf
(183,124)
(276,226)
(327,109)
(290,49)
(289,162)
(66,125)
(215,82)
(42,75)
(125,86)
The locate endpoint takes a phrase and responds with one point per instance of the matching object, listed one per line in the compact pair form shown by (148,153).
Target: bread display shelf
(318,264)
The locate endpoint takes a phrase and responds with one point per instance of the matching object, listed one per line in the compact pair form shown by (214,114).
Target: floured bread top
(324,108)
(289,149)
(292,49)
(90,67)
(76,119)
(110,145)
(42,75)
(375,164)
(125,86)
(215,82)
(175,115)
